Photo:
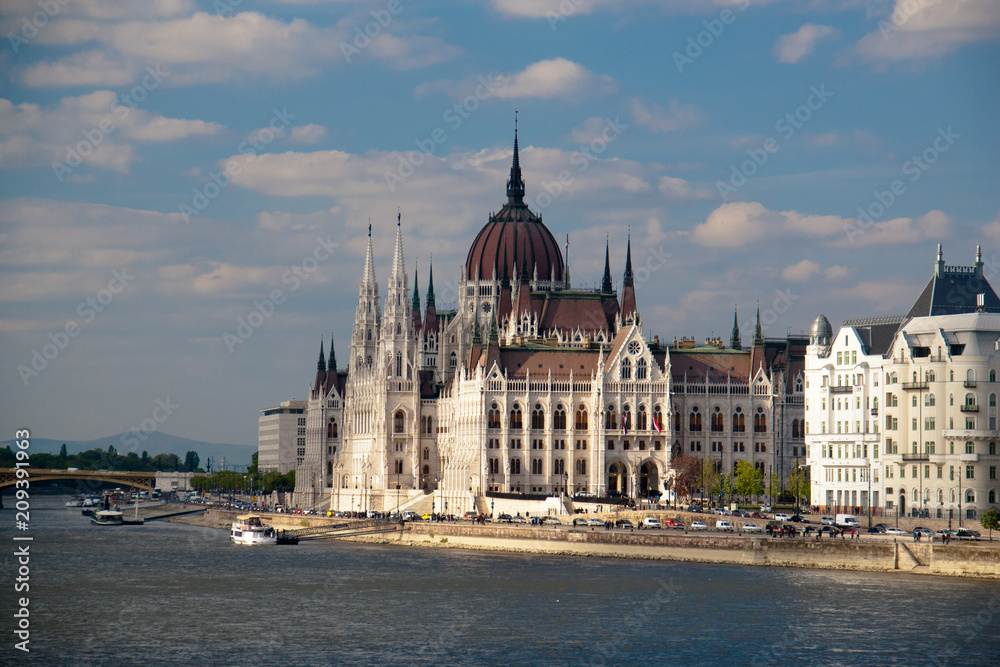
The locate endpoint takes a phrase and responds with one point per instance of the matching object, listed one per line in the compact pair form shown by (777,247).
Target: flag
(625,422)
(656,425)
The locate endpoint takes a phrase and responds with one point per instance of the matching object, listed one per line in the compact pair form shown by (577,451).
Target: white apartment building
(281,437)
(901,412)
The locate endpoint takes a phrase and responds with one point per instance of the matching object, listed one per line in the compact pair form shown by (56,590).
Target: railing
(914,386)
(916,457)
(839,389)
(969,408)
(969,384)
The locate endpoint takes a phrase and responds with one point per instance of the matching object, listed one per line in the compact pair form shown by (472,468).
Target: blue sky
(170,168)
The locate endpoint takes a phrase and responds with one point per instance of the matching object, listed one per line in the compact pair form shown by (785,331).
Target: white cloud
(557,10)
(793,47)
(557,77)
(929,29)
(742,223)
(680,189)
(801,272)
(32,135)
(838,272)
(307,134)
(206,48)
(677,117)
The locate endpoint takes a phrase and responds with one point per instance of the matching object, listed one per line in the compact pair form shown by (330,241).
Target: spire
(566,264)
(629,279)
(332,366)
(398,266)
(505,303)
(477,338)
(430,286)
(515,185)
(939,264)
(606,284)
(628,286)
(505,278)
(758,333)
(368,277)
(321,364)
(494,336)
(734,340)
(415,302)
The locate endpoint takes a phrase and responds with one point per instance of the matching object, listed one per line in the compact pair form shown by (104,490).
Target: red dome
(516,235)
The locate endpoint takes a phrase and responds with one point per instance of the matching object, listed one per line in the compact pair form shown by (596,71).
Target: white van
(651,522)
(847,521)
(724,525)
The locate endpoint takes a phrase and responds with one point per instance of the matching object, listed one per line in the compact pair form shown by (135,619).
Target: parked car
(923,532)
(895,531)
(699,525)
(551,521)
(651,522)
(720,511)
(518,519)
(724,525)
(752,528)
(504,518)
(765,508)
(579,521)
(694,508)
(798,518)
(595,522)
(757,515)
(826,521)
(781,516)
(966,534)
(624,523)
(673,523)
(470,516)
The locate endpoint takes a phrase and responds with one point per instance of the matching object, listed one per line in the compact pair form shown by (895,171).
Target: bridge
(139,480)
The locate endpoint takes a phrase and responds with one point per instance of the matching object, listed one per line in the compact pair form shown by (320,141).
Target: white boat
(107,518)
(249,529)
(76,502)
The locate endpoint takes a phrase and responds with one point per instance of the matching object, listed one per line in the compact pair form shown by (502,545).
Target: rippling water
(169,594)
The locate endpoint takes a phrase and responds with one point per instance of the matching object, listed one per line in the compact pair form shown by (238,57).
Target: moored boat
(75,502)
(107,518)
(249,529)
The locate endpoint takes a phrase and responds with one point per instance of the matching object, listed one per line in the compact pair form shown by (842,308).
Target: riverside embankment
(963,559)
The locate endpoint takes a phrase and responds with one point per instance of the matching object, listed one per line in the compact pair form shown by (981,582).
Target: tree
(990,520)
(62,452)
(191,461)
(749,480)
(687,471)
(709,478)
(775,488)
(798,483)
(726,485)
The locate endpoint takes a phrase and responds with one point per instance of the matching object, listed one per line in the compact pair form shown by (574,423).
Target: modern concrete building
(281,437)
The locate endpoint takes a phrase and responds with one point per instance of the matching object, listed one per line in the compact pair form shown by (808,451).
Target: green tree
(726,485)
(798,483)
(749,480)
(990,520)
(775,488)
(191,461)
(709,478)
(62,452)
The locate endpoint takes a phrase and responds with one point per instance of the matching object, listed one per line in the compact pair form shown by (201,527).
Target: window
(796,429)
(626,369)
(641,421)
(970,448)
(760,421)
(559,418)
(627,418)
(538,418)
(694,420)
(657,419)
(536,466)
(398,423)
(581,418)
(993,472)
(399,466)
(515,417)
(929,400)
(453,361)
(581,466)
(717,419)
(739,421)
(970,472)
(493,417)
(640,369)
(515,466)
(610,418)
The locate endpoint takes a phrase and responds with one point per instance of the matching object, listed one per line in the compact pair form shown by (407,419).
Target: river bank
(975,560)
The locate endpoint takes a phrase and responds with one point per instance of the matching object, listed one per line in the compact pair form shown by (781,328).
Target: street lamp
(566,483)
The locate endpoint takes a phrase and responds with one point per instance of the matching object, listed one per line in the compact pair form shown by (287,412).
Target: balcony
(917,457)
(968,458)
(969,434)
(874,412)
(842,389)
(969,384)
(969,408)
(914,386)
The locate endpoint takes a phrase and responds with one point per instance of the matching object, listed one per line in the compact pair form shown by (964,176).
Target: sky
(186,186)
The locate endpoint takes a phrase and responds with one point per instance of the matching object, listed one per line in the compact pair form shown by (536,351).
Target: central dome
(517,236)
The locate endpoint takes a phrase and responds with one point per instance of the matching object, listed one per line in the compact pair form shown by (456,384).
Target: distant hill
(154,443)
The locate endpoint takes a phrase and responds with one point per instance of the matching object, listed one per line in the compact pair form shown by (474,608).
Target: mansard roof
(876,333)
(539,360)
(954,289)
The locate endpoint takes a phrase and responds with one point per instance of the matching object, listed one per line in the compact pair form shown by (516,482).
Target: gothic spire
(606,284)
(332,366)
(398,266)
(430,286)
(494,335)
(628,286)
(734,340)
(368,277)
(515,185)
(477,338)
(629,278)
(415,302)
(758,333)
(321,364)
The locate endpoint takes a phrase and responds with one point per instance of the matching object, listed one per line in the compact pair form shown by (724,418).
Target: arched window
(399,364)
(453,360)
(875,403)
(739,421)
(760,421)
(930,376)
(610,418)
(640,369)
(993,497)
(970,496)
(970,378)
(913,400)
(581,418)
(399,329)
(940,495)
(795,428)
(717,419)
(559,418)
(657,419)
(427,454)
(369,334)
(538,418)
(626,369)
(515,466)
(929,400)
(581,466)
(331,429)
(641,423)
(398,422)
(399,466)
(427,470)
(993,400)
(493,418)
(694,419)
(627,423)
(515,417)
(993,376)
(970,400)
(430,425)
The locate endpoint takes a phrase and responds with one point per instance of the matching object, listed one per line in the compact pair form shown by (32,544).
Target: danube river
(167,593)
